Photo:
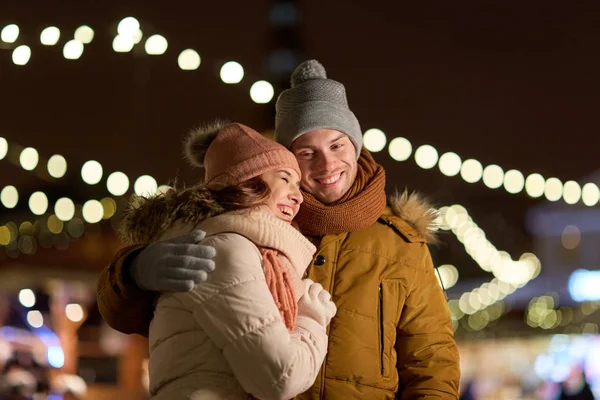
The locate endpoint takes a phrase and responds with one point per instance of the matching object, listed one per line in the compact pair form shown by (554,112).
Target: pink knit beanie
(233,153)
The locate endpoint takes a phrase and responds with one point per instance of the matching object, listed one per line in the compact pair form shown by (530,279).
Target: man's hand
(174,265)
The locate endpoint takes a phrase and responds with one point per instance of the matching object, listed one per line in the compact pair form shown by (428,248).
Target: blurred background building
(488,109)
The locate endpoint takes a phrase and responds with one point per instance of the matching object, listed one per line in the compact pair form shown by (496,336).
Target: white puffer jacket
(226,338)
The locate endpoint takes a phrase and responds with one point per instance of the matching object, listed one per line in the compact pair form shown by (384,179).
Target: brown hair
(247,194)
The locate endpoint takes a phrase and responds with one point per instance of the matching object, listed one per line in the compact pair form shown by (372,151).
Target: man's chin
(326,196)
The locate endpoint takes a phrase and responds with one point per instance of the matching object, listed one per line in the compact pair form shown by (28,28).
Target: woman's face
(285,199)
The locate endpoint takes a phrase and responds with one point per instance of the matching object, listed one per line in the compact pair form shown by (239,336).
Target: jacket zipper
(323,367)
(381,327)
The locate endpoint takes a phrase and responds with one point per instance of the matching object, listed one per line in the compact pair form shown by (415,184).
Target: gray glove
(174,265)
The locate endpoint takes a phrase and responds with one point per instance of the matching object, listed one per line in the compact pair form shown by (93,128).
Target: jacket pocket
(392,295)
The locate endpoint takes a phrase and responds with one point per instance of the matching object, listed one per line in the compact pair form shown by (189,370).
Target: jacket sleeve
(428,361)
(123,306)
(237,311)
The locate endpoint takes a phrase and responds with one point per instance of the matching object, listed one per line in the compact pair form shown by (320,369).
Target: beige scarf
(285,253)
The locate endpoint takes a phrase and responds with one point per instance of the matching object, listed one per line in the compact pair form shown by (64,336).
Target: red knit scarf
(280,286)
(359,208)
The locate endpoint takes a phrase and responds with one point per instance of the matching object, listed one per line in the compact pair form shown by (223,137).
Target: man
(392,335)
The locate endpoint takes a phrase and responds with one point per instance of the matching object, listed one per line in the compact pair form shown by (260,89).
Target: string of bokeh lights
(481,305)
(67,222)
(117,184)
(129,34)
(492,176)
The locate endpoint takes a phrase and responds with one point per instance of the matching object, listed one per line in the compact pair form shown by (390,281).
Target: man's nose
(327,161)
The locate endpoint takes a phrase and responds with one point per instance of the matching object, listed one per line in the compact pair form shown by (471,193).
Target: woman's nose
(296,196)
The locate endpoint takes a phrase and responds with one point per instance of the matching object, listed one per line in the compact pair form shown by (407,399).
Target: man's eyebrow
(341,136)
(307,146)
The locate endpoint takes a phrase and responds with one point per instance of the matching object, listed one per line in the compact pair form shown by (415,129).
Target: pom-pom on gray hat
(314,102)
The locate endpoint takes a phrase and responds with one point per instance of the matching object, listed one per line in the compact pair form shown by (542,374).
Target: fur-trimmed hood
(418,212)
(146,219)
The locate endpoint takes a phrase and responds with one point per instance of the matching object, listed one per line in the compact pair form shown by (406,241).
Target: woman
(254,327)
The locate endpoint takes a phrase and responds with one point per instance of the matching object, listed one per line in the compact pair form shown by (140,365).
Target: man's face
(327,159)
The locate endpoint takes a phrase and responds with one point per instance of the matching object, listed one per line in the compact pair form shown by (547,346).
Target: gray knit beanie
(314,102)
